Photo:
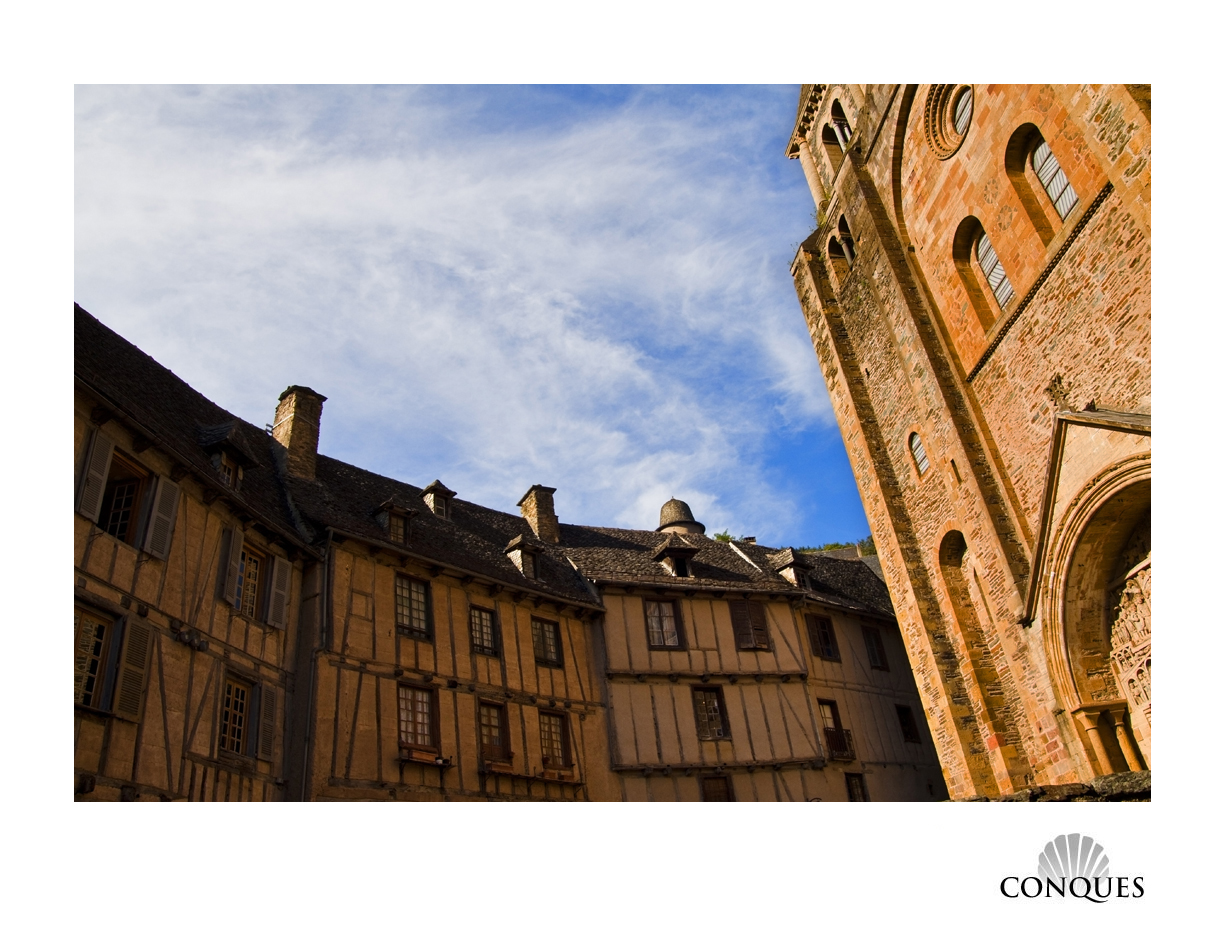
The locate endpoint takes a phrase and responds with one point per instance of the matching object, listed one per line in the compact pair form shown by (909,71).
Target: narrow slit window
(993,270)
(1054,180)
(919,453)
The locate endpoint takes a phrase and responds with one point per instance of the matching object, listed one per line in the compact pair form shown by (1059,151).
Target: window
(554,741)
(495,739)
(856,789)
(821,636)
(125,489)
(546,641)
(847,239)
(717,788)
(484,624)
(247,585)
(905,718)
(528,569)
(837,739)
(229,471)
(842,125)
(918,452)
(1054,180)
(947,113)
(235,712)
(93,644)
(250,573)
(993,270)
(711,713)
(413,607)
(418,725)
(397,528)
(111,662)
(876,648)
(749,626)
(664,630)
(680,566)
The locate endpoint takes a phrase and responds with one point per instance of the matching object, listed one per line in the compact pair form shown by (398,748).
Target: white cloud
(602,304)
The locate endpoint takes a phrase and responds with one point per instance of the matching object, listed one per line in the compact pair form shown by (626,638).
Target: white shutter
(233,566)
(93,478)
(161,518)
(278,601)
(267,722)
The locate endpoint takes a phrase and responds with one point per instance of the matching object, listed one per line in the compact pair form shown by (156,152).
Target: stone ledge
(1128,786)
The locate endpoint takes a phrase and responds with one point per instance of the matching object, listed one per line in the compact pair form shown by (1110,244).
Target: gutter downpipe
(325,626)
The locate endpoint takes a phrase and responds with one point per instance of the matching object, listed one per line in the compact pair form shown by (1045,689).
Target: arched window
(842,125)
(847,239)
(963,109)
(838,264)
(993,270)
(918,453)
(1054,180)
(833,147)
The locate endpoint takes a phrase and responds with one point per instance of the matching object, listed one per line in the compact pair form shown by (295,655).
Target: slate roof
(346,499)
(178,419)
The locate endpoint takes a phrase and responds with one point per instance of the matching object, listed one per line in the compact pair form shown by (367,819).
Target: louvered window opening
(234,709)
(553,747)
(484,632)
(92,640)
(993,270)
(749,625)
(1054,180)
(494,744)
(919,453)
(963,109)
(412,606)
(876,648)
(661,625)
(824,643)
(716,788)
(416,717)
(248,584)
(708,706)
(546,641)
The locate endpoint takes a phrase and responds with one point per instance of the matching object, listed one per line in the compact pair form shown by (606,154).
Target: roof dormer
(395,518)
(525,555)
(674,555)
(438,498)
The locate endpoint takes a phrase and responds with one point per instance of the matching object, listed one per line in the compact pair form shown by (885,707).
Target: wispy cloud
(493,287)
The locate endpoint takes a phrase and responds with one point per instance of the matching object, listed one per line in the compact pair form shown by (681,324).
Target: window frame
(248,715)
(494,649)
(727,784)
(259,603)
(677,623)
(1004,283)
(874,641)
(104,674)
(407,629)
(566,760)
(915,445)
(863,787)
(504,754)
(814,638)
(142,477)
(1054,175)
(721,706)
(433,746)
(537,642)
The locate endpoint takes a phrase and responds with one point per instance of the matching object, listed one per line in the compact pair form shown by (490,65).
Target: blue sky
(585,287)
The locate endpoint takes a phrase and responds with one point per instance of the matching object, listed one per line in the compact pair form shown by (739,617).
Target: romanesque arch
(1098,617)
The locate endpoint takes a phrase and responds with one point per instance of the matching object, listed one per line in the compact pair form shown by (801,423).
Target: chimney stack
(296,428)
(537,507)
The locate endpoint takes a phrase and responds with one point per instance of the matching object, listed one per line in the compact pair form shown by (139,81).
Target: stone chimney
(537,507)
(296,428)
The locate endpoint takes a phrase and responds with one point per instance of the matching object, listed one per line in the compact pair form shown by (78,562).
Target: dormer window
(394,518)
(397,528)
(438,498)
(228,470)
(677,566)
(525,555)
(674,555)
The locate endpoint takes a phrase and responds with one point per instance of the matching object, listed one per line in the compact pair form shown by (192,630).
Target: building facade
(257,621)
(977,290)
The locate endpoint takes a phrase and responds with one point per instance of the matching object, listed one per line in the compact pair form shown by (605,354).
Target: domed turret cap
(677,516)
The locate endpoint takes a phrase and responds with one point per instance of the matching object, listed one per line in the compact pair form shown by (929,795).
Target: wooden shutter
(278,600)
(267,722)
(742,627)
(233,565)
(161,518)
(93,477)
(132,668)
(757,621)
